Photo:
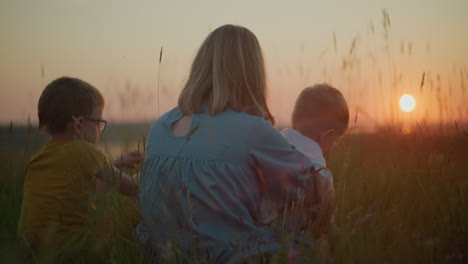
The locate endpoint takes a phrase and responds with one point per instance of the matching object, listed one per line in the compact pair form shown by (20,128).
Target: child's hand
(128,160)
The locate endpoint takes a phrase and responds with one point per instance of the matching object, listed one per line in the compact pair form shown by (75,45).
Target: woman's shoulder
(226,120)
(257,130)
(241,119)
(168,117)
(227,117)
(166,120)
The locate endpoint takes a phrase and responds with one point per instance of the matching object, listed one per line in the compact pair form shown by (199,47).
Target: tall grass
(402,199)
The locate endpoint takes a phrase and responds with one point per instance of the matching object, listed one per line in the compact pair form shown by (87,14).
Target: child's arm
(326,199)
(126,184)
(325,189)
(112,176)
(128,160)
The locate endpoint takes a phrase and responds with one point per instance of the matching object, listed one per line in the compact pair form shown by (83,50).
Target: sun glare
(407,103)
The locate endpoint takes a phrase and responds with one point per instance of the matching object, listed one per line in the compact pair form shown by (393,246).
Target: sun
(407,103)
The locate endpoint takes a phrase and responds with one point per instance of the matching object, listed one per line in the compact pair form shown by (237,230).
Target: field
(403,198)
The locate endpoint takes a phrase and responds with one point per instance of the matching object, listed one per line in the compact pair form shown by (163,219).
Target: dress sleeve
(283,170)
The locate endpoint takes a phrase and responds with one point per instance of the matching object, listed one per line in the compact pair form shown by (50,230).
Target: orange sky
(115,46)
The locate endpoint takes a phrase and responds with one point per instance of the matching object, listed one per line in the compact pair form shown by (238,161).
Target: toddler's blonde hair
(321,103)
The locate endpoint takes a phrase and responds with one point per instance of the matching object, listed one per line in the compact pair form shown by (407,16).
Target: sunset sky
(115,46)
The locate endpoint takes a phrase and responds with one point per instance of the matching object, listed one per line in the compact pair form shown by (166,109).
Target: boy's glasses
(101,123)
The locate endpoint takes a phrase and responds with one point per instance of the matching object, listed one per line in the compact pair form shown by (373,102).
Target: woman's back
(203,190)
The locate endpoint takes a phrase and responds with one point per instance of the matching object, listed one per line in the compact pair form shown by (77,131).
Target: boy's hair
(64,98)
(227,72)
(321,102)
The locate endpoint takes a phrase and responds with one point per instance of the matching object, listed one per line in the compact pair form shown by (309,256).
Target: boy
(61,180)
(319,119)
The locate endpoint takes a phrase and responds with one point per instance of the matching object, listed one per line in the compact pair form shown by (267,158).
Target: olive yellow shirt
(58,194)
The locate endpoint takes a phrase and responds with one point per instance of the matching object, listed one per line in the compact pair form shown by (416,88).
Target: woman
(214,158)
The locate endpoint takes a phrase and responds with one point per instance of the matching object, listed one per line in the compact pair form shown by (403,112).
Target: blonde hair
(321,102)
(227,72)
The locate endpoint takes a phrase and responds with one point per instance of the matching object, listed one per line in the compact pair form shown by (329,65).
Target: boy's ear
(330,132)
(327,133)
(76,126)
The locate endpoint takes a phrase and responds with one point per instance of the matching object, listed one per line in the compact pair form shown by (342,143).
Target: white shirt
(311,149)
(308,147)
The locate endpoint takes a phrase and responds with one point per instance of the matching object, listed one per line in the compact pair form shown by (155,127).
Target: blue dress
(201,193)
